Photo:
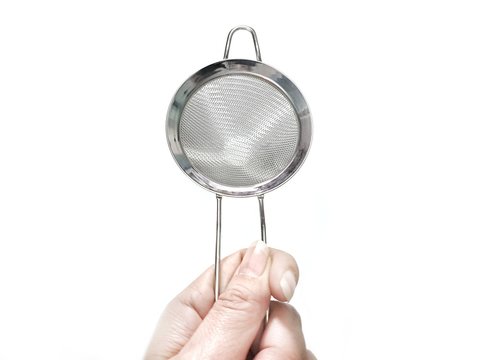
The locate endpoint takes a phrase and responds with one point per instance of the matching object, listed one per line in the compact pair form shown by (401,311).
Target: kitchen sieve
(238,128)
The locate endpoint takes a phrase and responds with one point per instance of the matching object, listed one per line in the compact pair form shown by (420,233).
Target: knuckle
(295,315)
(238,298)
(289,312)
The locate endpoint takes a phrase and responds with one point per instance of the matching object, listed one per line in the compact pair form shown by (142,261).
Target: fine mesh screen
(239,130)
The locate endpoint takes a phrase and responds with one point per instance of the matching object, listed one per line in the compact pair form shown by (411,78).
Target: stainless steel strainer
(238,128)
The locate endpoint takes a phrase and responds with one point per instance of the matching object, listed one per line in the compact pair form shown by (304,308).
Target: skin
(194,326)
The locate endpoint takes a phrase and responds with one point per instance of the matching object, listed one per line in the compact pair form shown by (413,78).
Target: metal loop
(254,37)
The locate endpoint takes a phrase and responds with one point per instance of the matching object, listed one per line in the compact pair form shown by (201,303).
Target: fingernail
(255,260)
(288,283)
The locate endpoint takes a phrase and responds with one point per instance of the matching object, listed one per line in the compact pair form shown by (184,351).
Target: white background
(99,229)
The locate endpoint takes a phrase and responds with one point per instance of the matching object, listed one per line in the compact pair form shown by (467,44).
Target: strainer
(238,128)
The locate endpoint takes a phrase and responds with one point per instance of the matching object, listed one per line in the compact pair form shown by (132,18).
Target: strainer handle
(218,241)
(263,227)
(254,37)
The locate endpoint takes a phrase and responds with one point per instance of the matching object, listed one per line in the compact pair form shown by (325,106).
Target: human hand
(194,326)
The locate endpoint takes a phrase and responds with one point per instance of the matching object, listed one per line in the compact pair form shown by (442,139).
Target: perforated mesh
(239,130)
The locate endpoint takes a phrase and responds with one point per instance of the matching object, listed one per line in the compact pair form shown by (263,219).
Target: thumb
(234,320)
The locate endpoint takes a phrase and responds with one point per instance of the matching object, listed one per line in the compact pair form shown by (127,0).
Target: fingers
(232,323)
(283,336)
(283,275)
(185,313)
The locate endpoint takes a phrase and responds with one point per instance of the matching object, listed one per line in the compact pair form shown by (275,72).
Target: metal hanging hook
(254,37)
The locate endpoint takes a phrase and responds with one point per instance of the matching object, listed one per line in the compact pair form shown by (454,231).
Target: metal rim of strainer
(235,67)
